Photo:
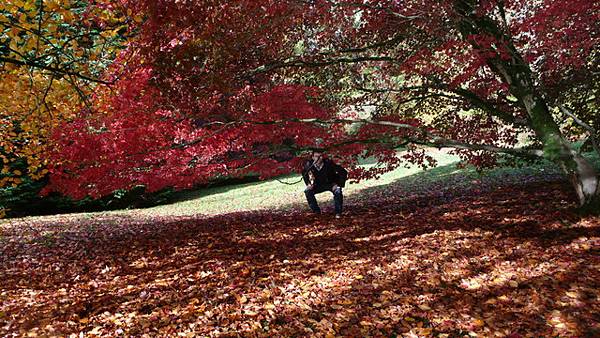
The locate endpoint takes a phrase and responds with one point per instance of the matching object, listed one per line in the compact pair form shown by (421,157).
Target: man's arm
(341,175)
(305,170)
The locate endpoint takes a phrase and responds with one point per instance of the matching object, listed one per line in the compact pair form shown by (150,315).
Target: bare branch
(73,81)
(366,5)
(366,48)
(592,132)
(462,93)
(489,107)
(291,62)
(428,137)
(55,70)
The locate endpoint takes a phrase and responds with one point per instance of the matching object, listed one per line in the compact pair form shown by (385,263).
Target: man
(320,175)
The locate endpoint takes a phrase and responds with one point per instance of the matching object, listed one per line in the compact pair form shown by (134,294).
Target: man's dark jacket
(330,173)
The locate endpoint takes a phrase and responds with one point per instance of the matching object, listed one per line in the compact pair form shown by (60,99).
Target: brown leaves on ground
(511,261)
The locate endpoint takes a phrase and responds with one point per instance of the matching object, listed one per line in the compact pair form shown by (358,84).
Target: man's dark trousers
(338,198)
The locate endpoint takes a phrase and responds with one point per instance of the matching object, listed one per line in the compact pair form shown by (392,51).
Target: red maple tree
(226,88)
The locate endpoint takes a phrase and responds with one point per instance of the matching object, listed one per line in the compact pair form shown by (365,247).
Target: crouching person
(320,175)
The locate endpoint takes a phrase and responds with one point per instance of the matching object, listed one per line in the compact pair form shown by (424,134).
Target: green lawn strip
(274,195)
(263,195)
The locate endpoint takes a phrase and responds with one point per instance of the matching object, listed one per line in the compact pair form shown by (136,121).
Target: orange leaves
(51,28)
(267,274)
(38,92)
(30,110)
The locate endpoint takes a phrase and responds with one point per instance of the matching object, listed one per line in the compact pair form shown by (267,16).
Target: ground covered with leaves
(477,258)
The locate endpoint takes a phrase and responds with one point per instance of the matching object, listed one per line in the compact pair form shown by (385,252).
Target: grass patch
(272,194)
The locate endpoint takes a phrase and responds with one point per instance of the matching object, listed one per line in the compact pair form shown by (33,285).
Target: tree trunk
(585,180)
(580,171)
(517,74)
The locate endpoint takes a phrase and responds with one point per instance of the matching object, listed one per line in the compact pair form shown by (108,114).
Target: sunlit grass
(273,194)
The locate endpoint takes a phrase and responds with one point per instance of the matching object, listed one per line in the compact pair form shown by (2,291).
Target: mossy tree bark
(517,74)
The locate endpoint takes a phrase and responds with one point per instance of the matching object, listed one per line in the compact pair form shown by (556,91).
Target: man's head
(317,156)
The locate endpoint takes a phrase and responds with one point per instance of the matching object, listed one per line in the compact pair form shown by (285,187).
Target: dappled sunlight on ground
(497,261)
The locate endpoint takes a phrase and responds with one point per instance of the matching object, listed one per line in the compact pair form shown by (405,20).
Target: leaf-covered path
(490,260)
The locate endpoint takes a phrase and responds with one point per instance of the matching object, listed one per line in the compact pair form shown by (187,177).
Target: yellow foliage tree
(52,57)
(31,106)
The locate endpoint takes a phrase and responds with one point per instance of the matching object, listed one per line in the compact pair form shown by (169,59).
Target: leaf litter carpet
(484,260)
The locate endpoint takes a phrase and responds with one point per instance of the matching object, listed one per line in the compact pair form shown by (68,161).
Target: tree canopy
(212,88)
(52,54)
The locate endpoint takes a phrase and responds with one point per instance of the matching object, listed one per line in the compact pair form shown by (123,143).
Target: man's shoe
(338,216)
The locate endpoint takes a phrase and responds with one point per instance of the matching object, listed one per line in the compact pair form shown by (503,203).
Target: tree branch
(55,70)
(304,63)
(585,126)
(364,48)
(489,107)
(464,93)
(373,7)
(428,137)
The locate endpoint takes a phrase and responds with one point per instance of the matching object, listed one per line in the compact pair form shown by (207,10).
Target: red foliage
(216,88)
